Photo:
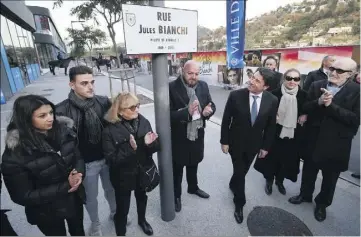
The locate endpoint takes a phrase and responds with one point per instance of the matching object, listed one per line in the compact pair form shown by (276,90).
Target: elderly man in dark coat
(333,109)
(190,106)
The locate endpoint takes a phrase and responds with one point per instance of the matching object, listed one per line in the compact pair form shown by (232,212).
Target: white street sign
(159,30)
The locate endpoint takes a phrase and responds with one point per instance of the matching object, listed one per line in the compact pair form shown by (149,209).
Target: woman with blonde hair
(128,145)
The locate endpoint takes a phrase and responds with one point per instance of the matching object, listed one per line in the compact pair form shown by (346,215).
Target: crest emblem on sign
(234,61)
(130,19)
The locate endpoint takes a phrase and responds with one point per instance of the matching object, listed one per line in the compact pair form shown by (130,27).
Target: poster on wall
(271,60)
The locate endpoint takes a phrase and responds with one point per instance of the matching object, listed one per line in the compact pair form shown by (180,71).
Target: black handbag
(149,177)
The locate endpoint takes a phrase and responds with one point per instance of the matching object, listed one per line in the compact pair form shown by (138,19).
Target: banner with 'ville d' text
(236,12)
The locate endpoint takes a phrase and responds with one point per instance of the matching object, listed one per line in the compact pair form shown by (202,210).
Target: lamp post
(72,28)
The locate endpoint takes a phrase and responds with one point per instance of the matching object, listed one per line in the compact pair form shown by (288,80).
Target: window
(32,51)
(8,44)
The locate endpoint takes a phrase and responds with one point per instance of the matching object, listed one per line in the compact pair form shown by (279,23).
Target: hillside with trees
(309,23)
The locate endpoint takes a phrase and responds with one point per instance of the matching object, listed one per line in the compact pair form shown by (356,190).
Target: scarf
(93,125)
(131,125)
(194,125)
(287,112)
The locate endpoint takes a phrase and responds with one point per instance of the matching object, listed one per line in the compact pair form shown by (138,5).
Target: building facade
(18,57)
(47,38)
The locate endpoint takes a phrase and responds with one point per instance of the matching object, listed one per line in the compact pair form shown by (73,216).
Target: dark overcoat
(184,151)
(285,152)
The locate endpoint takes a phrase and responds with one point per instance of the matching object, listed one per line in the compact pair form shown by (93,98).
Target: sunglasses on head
(134,107)
(338,70)
(296,79)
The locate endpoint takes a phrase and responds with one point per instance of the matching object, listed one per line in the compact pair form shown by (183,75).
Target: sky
(211,14)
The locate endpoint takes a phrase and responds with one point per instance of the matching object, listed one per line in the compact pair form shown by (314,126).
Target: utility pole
(162,119)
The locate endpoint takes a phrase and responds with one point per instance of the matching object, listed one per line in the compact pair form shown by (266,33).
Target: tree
(88,37)
(110,10)
(77,50)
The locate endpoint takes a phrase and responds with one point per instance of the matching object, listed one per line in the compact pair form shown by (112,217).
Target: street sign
(149,29)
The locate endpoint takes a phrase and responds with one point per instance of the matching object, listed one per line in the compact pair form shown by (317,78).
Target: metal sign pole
(162,119)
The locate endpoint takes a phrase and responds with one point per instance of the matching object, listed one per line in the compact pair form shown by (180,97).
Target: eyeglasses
(339,70)
(134,107)
(296,79)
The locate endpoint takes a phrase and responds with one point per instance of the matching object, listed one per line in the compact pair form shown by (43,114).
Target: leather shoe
(281,188)
(356,176)
(178,205)
(238,215)
(320,213)
(147,229)
(268,187)
(299,199)
(200,193)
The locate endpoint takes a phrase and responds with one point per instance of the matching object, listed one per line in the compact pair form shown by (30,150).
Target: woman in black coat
(128,145)
(42,168)
(283,158)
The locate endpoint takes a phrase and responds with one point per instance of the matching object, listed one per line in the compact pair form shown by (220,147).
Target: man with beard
(88,110)
(190,106)
(333,108)
(248,128)
(319,74)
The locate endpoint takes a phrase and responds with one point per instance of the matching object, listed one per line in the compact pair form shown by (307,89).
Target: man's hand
(302,119)
(132,142)
(262,154)
(207,110)
(225,149)
(193,107)
(150,137)
(326,97)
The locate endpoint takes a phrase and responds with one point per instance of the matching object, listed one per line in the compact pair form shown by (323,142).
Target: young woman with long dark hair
(42,168)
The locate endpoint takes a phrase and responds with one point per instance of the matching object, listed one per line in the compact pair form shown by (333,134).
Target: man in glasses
(319,74)
(333,109)
(87,111)
(190,106)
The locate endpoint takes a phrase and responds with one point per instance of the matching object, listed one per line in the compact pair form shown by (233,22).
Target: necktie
(254,111)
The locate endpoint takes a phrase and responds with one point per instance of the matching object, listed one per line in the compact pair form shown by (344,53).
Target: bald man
(190,106)
(319,74)
(333,108)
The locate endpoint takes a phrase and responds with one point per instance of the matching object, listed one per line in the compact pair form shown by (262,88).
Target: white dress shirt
(258,101)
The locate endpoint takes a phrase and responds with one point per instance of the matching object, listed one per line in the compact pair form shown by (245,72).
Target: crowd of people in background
(56,154)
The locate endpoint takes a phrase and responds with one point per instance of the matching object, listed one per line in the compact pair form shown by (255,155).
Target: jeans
(91,182)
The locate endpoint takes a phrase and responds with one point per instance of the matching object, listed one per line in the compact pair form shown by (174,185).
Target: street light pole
(162,119)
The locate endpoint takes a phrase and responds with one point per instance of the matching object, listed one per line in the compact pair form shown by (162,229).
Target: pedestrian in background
(128,144)
(319,74)
(42,168)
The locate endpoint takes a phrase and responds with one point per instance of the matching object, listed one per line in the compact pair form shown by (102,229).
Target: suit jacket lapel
(263,107)
(341,93)
(182,92)
(245,97)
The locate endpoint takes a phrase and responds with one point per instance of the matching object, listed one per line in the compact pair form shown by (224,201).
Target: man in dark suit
(248,129)
(190,106)
(333,109)
(319,74)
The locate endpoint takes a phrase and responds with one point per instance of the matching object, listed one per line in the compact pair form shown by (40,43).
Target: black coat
(285,151)
(89,152)
(330,130)
(317,75)
(237,130)
(123,161)
(37,178)
(184,151)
